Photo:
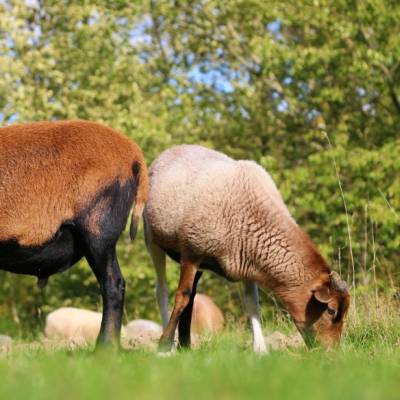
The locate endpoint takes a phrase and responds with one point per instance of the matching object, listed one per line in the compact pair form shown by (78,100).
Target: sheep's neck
(280,254)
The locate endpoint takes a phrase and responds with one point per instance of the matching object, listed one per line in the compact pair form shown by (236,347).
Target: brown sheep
(210,212)
(66,189)
(206,317)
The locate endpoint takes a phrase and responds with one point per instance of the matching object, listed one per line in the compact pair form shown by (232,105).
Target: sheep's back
(50,171)
(187,186)
(205,202)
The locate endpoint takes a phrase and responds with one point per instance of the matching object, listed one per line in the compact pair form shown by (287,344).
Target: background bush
(309,89)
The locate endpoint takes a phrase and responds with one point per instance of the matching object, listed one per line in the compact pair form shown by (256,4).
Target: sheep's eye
(331,311)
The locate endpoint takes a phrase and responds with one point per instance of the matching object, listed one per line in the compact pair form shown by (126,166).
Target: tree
(309,89)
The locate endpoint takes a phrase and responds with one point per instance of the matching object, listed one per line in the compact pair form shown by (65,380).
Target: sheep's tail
(142,190)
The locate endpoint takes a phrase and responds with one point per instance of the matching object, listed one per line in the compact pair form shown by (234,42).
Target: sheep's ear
(322,293)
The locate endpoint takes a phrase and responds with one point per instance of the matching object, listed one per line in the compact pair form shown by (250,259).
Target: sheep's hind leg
(186,317)
(158,258)
(112,285)
(182,298)
(252,306)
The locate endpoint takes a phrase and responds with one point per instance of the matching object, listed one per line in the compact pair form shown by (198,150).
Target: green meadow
(365,366)
(224,368)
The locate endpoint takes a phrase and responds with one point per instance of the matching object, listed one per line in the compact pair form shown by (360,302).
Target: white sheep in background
(73,325)
(77,326)
(141,333)
(208,211)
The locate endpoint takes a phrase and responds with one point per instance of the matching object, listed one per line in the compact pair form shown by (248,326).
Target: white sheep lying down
(73,324)
(141,333)
(210,212)
(81,327)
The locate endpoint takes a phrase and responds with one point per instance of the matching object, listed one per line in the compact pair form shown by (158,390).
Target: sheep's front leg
(252,306)
(182,298)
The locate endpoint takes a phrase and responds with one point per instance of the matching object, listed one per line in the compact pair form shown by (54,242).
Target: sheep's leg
(112,285)
(158,257)
(252,306)
(186,317)
(182,298)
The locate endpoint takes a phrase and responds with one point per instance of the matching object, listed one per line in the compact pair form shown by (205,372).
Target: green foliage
(269,81)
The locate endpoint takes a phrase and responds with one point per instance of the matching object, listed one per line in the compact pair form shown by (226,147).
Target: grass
(366,366)
(220,371)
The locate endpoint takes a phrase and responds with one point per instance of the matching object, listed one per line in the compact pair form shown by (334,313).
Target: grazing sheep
(206,316)
(66,189)
(73,324)
(208,211)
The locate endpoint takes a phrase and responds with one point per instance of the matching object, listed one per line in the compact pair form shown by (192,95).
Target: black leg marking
(101,226)
(112,286)
(182,297)
(185,319)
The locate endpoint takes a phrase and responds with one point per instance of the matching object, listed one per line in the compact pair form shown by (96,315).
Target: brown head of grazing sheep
(208,211)
(66,189)
(318,309)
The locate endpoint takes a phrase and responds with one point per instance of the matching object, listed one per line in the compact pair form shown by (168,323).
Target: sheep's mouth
(308,335)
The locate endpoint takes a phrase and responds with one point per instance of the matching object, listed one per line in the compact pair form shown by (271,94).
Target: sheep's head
(319,309)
